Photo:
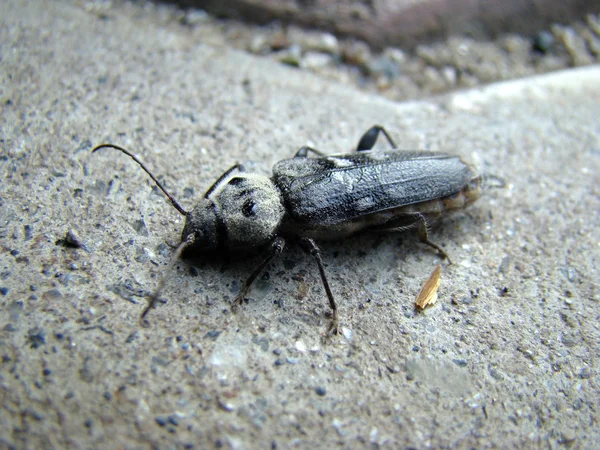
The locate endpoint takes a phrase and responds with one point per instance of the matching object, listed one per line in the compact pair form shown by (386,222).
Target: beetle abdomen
(399,218)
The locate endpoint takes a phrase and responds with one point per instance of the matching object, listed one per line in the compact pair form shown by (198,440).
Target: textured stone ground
(505,359)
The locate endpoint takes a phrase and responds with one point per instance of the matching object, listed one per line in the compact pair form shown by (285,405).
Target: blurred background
(404,49)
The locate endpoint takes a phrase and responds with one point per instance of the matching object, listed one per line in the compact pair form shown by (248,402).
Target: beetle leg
(225,174)
(492,181)
(424,236)
(276,248)
(410,221)
(311,248)
(303,152)
(367,141)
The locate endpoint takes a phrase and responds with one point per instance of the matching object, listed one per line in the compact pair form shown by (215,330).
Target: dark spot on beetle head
(236,181)
(249,208)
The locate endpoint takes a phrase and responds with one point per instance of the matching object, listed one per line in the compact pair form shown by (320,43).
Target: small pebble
(70,240)
(36,338)
(543,42)
(213,334)
(161,421)
(300,346)
(226,406)
(584,374)
(321,391)
(140,227)
(569,435)
(347,332)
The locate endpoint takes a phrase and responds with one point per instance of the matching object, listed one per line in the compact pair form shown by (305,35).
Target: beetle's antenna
(132,156)
(189,240)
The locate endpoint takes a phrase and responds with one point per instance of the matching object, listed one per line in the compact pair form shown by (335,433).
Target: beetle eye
(248,209)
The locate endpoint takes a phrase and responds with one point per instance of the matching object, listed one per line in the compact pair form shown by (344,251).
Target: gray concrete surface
(506,358)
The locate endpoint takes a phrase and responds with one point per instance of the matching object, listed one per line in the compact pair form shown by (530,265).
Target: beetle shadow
(357,263)
(344,250)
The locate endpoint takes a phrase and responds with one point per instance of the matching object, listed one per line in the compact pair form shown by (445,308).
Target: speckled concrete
(505,359)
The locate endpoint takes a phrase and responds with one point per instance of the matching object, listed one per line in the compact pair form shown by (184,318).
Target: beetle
(323,197)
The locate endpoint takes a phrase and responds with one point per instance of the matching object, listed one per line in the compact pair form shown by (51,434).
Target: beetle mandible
(323,198)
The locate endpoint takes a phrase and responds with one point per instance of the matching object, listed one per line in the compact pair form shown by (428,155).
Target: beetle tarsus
(334,326)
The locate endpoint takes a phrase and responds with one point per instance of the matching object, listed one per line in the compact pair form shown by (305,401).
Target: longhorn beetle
(323,198)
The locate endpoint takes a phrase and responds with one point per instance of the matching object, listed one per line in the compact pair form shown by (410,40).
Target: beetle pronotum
(325,197)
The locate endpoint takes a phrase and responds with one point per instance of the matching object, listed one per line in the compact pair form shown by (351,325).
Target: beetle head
(242,212)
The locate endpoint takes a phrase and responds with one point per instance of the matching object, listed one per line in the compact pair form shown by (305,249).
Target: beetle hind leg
(367,141)
(424,238)
(410,221)
(420,223)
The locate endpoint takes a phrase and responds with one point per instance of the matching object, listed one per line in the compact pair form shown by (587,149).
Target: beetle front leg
(311,248)
(277,247)
(367,141)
